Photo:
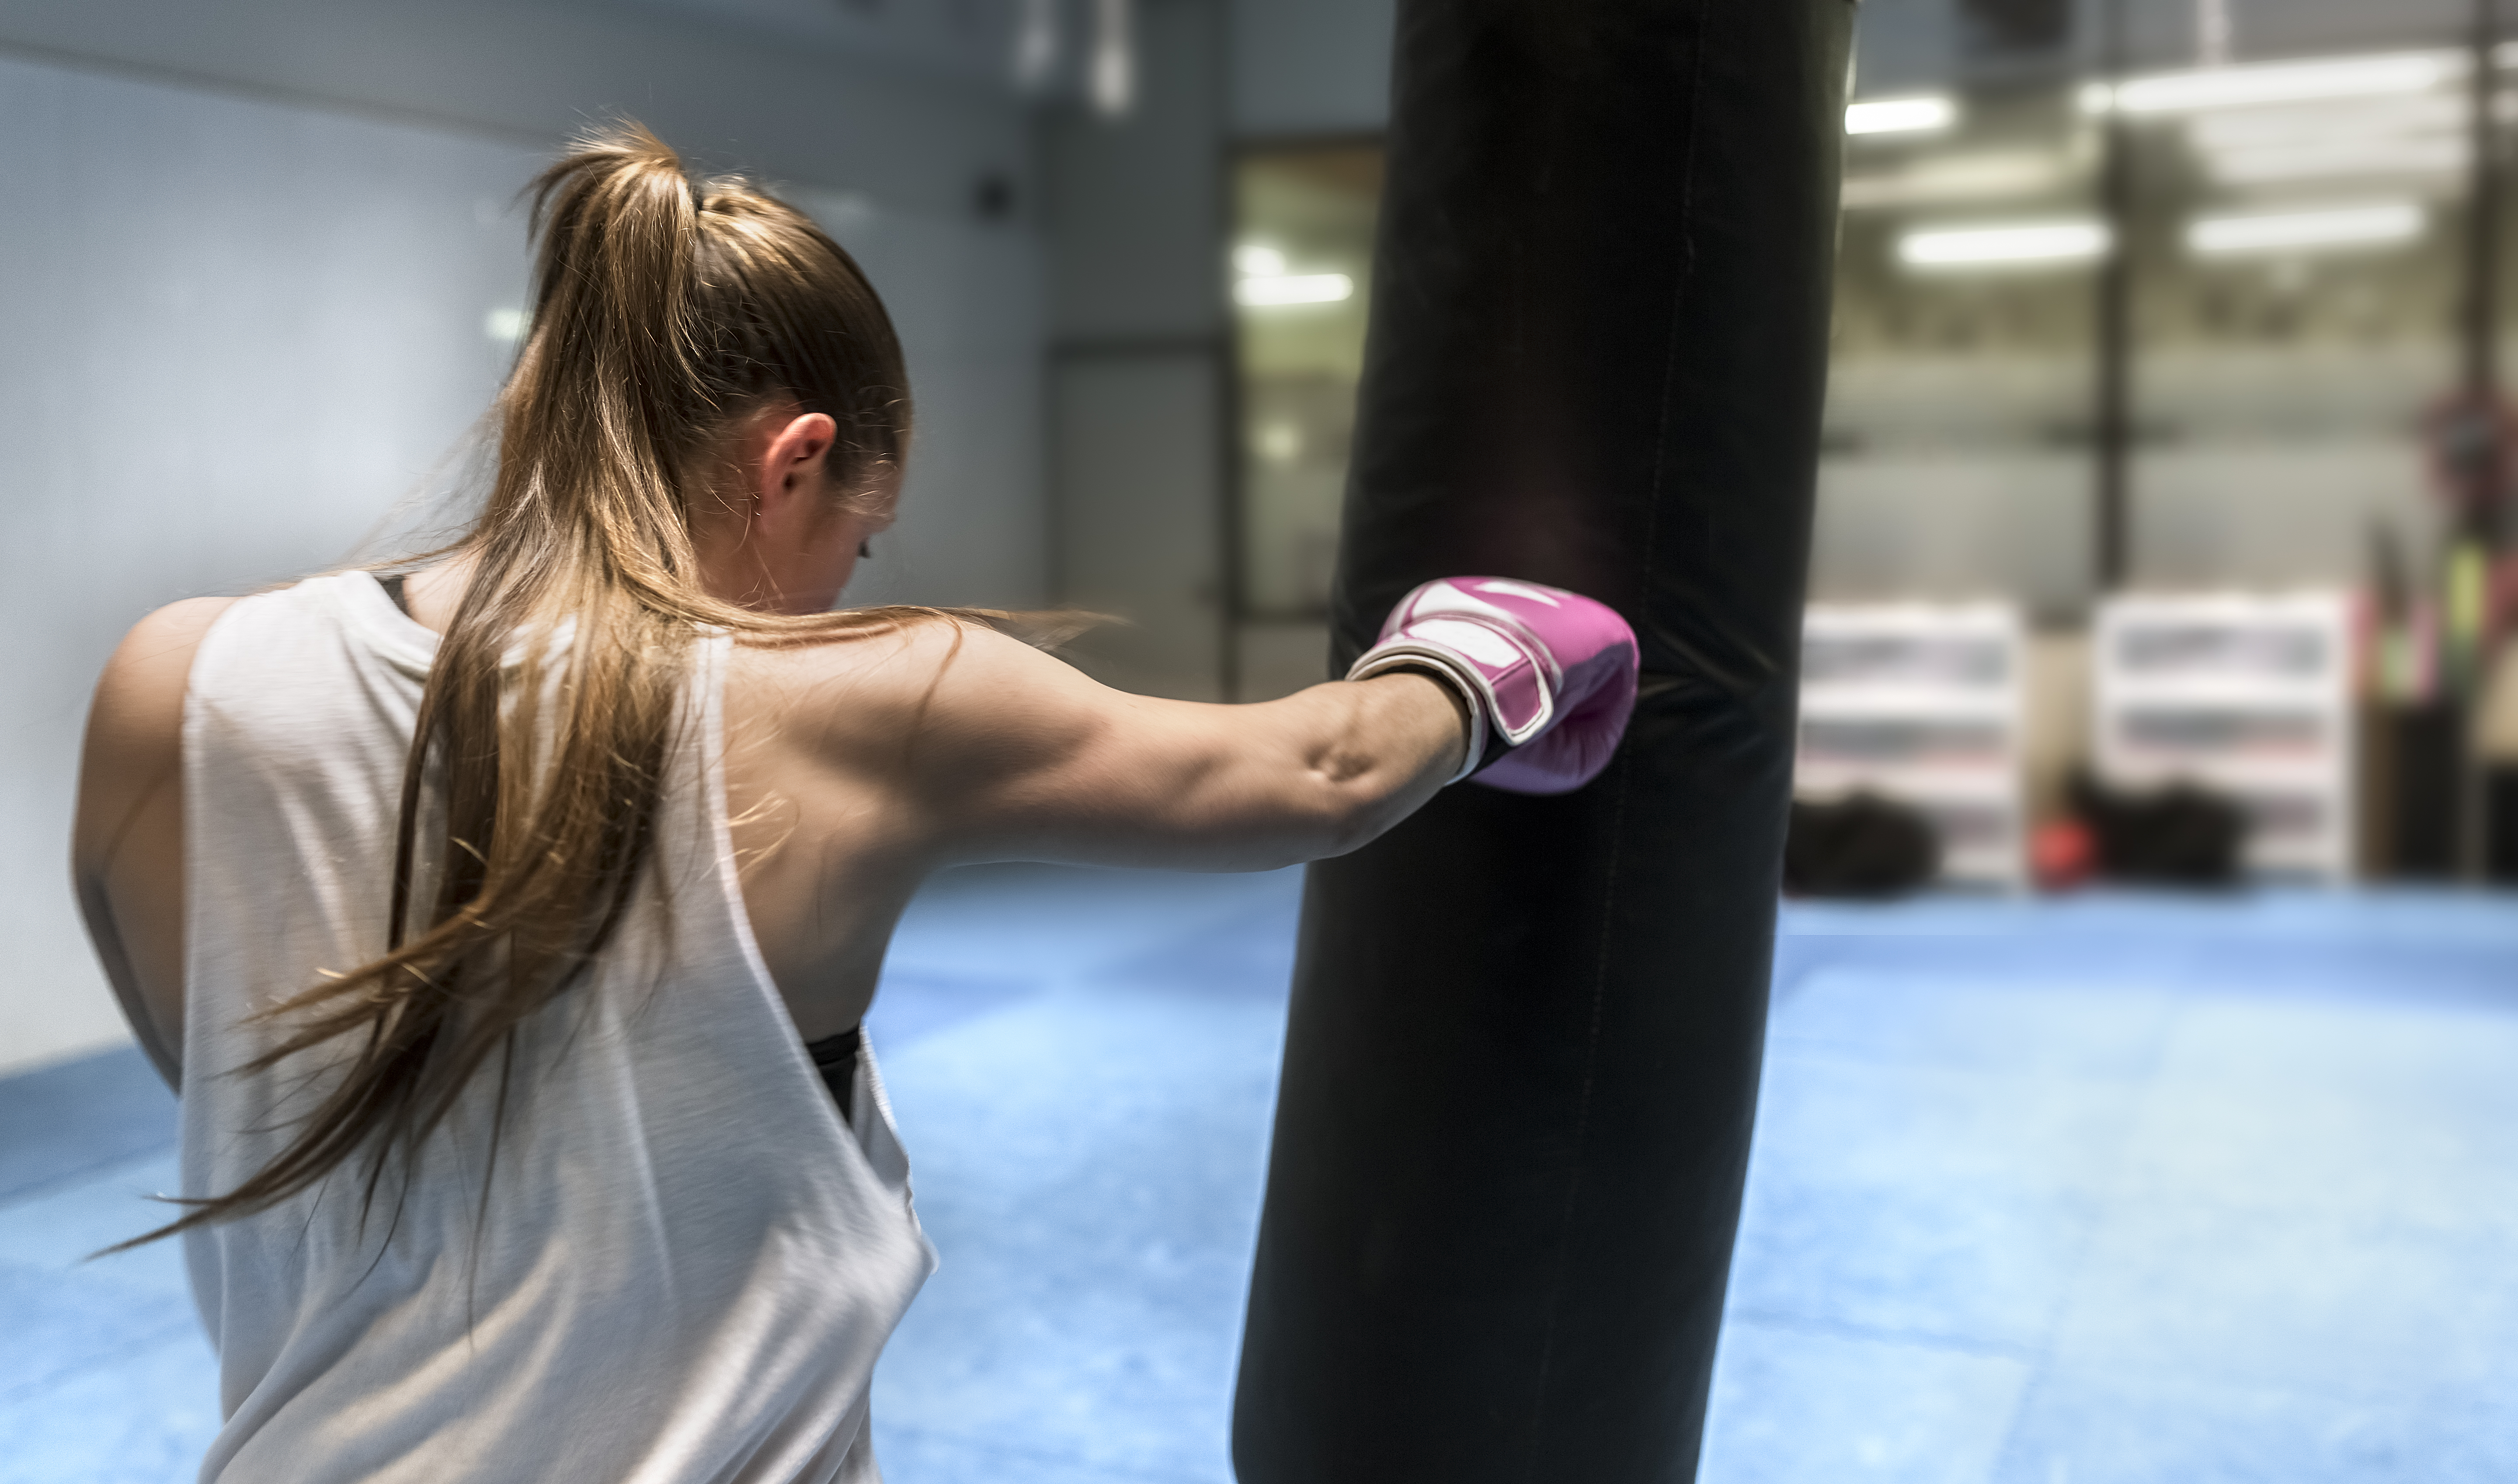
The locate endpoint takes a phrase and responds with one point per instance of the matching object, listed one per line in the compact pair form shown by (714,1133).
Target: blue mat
(2115,1188)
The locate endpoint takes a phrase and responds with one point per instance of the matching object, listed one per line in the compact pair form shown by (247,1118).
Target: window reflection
(1302,259)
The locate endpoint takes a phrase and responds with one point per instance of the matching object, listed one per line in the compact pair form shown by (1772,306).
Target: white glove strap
(1386,659)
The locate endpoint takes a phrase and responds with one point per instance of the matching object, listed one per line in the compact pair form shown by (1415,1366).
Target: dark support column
(1525,1038)
(2480,322)
(2111,414)
(2484,465)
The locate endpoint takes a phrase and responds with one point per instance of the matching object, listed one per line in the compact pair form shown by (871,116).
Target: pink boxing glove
(1549,675)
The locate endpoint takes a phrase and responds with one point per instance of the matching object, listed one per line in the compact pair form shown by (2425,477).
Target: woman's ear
(793,467)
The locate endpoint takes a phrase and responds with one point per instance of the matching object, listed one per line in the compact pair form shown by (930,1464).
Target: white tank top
(686,1264)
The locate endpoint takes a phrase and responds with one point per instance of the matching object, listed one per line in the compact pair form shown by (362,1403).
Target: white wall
(240,328)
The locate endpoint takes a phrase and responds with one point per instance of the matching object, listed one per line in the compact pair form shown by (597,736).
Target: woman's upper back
(672,1196)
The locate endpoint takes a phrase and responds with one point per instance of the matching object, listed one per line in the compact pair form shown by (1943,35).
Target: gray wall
(211,382)
(244,321)
(1311,66)
(968,298)
(736,82)
(1137,219)
(1137,361)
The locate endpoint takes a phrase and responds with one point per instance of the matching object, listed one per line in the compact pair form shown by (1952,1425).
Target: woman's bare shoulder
(135,729)
(126,839)
(140,697)
(885,686)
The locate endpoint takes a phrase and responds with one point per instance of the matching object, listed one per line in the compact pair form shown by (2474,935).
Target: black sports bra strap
(835,1057)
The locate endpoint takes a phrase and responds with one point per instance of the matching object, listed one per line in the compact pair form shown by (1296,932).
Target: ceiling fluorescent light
(1295,289)
(1958,178)
(1114,70)
(2373,224)
(1901,115)
(2338,120)
(2252,86)
(1036,43)
(1258,261)
(2311,160)
(2021,245)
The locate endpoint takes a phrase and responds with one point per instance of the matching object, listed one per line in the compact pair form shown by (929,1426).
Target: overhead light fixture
(2417,134)
(2311,160)
(1958,178)
(2257,84)
(2396,116)
(1263,291)
(2212,30)
(1113,68)
(1927,115)
(2019,244)
(2373,224)
(1036,43)
(1258,261)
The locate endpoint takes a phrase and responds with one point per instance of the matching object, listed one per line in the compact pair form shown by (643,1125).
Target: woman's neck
(432,594)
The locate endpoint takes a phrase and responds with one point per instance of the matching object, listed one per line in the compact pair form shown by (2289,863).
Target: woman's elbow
(1324,822)
(1358,816)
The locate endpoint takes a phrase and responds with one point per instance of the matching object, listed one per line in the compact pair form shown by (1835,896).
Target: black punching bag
(1523,1055)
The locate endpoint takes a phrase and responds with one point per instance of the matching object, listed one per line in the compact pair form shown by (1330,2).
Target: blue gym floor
(2113,1189)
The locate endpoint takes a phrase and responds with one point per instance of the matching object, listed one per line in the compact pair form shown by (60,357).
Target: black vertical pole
(2112,411)
(2483,453)
(1232,554)
(2480,321)
(1522,1060)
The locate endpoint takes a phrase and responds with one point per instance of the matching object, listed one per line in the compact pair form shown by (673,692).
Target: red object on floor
(2061,854)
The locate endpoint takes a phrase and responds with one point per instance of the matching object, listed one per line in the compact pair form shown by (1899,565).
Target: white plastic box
(1923,704)
(2250,696)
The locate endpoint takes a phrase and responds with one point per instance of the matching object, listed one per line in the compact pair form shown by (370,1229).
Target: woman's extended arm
(989,749)
(1124,779)
(1010,753)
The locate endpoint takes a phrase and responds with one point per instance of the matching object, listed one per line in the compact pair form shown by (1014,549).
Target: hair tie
(696,205)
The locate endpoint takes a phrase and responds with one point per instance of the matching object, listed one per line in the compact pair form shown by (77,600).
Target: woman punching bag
(1523,1055)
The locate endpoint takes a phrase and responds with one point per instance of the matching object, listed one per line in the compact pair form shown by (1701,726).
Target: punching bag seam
(1683,280)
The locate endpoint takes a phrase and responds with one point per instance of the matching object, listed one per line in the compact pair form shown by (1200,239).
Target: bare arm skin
(856,768)
(1026,757)
(127,841)
(998,752)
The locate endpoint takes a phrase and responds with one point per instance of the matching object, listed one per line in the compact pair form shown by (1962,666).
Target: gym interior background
(2155,1132)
